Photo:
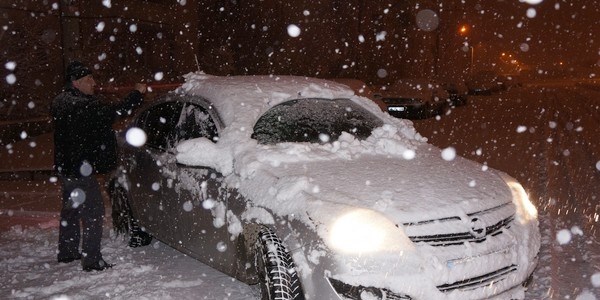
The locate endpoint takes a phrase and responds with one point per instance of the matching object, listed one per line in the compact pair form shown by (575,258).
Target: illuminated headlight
(526,211)
(365,231)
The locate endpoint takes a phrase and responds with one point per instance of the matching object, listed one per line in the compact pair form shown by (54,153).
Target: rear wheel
(123,220)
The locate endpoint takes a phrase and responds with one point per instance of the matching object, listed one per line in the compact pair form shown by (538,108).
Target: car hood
(424,187)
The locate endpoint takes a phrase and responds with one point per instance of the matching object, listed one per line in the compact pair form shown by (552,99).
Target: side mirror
(202,152)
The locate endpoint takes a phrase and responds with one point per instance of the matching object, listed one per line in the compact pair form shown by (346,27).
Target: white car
(308,191)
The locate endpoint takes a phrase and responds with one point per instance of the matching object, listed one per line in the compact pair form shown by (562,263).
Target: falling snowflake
(100,27)
(449,154)
(409,154)
(564,236)
(221,246)
(136,137)
(427,20)
(11,79)
(532,2)
(324,138)
(188,206)
(77,197)
(11,65)
(293,30)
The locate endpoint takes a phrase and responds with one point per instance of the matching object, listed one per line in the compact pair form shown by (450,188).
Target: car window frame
(182,100)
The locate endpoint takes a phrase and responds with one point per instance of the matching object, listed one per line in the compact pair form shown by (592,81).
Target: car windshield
(314,121)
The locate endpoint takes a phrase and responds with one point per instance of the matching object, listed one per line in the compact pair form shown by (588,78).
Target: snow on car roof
(248,97)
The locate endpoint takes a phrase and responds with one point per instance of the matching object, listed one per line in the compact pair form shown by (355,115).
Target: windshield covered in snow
(314,121)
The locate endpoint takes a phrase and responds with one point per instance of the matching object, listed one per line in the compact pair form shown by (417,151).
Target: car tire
(123,220)
(276,270)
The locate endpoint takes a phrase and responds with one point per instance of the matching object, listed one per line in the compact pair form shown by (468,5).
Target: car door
(147,172)
(197,194)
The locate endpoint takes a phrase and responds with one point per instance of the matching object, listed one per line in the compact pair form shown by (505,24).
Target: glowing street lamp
(464,30)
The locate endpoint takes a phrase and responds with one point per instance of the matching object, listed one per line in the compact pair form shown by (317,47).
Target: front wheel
(278,278)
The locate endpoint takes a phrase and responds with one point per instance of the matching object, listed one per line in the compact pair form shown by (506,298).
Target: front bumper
(496,268)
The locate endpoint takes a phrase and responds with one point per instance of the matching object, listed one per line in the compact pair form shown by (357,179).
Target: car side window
(159,123)
(194,122)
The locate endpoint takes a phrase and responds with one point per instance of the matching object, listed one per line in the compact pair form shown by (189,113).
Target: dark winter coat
(83,131)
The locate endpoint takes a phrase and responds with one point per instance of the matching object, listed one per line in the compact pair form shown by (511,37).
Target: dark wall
(29,39)
(375,41)
(124,42)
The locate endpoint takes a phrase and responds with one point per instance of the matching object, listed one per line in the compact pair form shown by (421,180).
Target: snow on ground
(29,270)
(552,150)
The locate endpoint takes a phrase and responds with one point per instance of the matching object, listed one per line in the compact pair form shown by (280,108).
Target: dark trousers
(81,204)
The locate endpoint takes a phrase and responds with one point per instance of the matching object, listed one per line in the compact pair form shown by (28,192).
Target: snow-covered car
(308,191)
(413,98)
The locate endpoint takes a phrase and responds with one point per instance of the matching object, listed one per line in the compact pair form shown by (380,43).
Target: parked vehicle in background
(309,191)
(457,93)
(485,83)
(360,88)
(413,98)
(512,80)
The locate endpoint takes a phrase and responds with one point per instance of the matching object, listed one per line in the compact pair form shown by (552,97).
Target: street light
(464,30)
(468,47)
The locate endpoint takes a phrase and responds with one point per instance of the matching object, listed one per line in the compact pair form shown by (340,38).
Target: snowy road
(546,138)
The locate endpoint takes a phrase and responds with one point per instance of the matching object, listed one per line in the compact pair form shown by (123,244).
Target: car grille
(479,281)
(477,228)
(474,234)
(461,237)
(347,291)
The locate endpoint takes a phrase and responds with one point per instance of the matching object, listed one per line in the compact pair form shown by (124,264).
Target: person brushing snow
(84,146)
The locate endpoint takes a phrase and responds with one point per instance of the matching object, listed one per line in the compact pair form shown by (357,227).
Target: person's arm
(132,100)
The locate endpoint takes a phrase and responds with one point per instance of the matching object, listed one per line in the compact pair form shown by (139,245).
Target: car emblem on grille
(477,229)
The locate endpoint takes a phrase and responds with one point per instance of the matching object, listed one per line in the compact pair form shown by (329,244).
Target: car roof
(239,98)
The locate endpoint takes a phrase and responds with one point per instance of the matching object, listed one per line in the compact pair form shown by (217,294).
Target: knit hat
(76,70)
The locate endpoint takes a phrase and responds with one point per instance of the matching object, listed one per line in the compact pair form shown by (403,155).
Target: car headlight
(526,211)
(366,231)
